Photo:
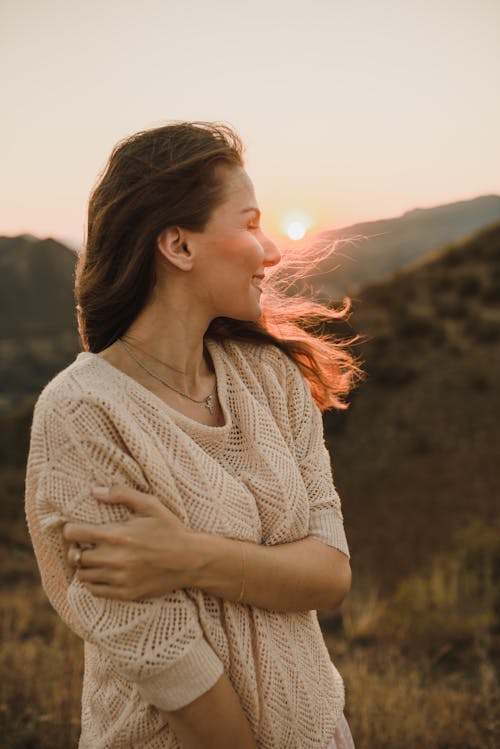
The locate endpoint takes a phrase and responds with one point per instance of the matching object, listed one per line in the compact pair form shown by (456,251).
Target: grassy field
(420,666)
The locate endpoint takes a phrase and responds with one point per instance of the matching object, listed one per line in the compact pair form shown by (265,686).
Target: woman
(179,492)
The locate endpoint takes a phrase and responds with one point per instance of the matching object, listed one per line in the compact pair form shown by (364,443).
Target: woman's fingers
(139,502)
(117,533)
(101,556)
(101,575)
(90,533)
(108,590)
(95,575)
(148,554)
(102,590)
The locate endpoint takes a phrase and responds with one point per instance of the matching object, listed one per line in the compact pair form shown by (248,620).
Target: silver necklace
(138,348)
(208,401)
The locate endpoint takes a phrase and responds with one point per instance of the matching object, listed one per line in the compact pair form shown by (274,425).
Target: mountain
(415,456)
(378,248)
(38,333)
(36,287)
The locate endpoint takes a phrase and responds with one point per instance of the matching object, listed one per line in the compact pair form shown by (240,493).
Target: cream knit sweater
(264,477)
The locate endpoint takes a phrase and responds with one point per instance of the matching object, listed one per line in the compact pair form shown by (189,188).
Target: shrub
(491,294)
(457,599)
(390,372)
(12,482)
(452,258)
(450,307)
(441,282)
(469,285)
(421,442)
(479,382)
(481,329)
(413,325)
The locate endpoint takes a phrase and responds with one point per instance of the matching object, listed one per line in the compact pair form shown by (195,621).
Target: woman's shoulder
(266,360)
(83,381)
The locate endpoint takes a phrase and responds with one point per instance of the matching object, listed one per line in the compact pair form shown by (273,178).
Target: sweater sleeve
(306,423)
(156,643)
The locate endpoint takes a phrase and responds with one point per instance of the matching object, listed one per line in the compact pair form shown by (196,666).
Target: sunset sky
(350,111)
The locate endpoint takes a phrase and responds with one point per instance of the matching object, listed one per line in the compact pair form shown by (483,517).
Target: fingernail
(100,491)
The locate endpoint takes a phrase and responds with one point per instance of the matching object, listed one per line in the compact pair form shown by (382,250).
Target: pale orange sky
(349,110)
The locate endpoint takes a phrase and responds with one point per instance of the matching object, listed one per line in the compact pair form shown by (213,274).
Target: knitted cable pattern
(264,476)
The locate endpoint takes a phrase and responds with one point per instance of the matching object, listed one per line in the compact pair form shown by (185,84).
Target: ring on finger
(78,558)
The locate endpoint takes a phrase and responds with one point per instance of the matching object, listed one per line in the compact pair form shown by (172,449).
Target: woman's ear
(174,247)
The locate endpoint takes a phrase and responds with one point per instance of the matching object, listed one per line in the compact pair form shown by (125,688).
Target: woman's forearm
(297,576)
(153,553)
(215,720)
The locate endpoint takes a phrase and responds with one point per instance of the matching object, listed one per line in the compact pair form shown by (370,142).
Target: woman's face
(232,253)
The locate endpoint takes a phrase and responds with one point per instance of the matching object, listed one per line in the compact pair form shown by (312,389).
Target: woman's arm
(141,557)
(158,644)
(296,576)
(213,721)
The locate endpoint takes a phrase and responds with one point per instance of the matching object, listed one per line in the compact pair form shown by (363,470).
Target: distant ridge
(445,207)
(36,287)
(379,248)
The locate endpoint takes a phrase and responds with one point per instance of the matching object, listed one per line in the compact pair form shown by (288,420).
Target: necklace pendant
(209,404)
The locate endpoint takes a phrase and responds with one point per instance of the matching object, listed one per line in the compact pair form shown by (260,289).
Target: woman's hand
(149,555)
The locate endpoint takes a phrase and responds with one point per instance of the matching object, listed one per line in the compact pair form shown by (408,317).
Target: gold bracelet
(242,573)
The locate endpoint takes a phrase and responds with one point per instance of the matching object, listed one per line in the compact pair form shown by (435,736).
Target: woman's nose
(272,255)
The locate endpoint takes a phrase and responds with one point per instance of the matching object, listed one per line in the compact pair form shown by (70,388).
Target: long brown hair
(170,176)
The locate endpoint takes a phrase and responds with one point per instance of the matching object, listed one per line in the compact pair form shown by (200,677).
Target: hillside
(37,316)
(379,248)
(416,455)
(36,287)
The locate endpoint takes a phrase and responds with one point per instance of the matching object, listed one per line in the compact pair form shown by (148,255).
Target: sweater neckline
(220,375)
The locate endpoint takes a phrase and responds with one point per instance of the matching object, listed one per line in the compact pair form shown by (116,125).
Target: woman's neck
(171,343)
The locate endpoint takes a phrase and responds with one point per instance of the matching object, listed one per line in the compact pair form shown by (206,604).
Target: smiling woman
(227,261)
(179,493)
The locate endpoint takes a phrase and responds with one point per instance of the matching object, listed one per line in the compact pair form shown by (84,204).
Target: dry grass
(41,668)
(396,702)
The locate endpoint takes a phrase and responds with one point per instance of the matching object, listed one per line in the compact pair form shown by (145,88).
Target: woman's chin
(251,316)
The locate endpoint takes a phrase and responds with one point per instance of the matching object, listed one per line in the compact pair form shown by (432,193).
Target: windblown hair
(170,176)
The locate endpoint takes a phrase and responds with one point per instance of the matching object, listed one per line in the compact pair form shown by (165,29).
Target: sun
(296,230)
(296,225)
